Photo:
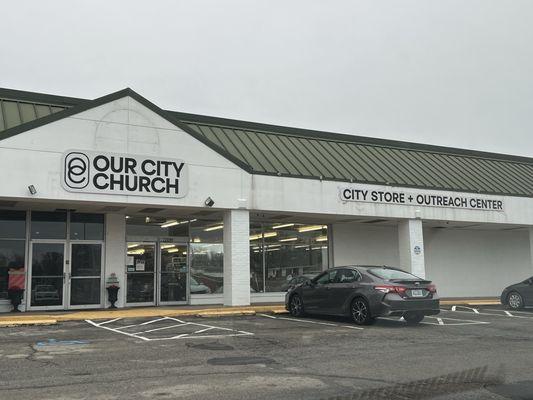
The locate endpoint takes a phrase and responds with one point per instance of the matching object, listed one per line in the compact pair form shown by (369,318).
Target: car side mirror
(530,281)
(309,283)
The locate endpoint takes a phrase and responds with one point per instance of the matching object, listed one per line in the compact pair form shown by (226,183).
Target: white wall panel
(365,244)
(476,263)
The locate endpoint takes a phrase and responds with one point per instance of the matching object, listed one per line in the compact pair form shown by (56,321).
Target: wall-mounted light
(32,190)
(209,202)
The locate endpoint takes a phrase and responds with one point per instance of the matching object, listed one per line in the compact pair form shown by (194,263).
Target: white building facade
(117,190)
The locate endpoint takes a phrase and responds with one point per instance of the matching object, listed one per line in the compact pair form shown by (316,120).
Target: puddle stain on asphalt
(210,346)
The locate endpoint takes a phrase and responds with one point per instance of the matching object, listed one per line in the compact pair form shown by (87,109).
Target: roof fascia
(89,104)
(35,97)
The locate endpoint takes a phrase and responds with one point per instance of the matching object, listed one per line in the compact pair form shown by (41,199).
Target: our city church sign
(419,198)
(110,173)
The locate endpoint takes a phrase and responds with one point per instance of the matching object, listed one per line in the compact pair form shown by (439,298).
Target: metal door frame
(187,272)
(69,274)
(154,273)
(65,291)
(158,241)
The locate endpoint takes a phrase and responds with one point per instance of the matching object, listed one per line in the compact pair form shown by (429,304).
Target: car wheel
(361,312)
(515,301)
(413,319)
(296,306)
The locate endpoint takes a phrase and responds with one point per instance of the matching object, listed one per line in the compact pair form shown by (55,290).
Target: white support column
(531,249)
(115,254)
(236,258)
(411,245)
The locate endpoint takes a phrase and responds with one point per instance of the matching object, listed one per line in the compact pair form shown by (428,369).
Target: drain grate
(470,379)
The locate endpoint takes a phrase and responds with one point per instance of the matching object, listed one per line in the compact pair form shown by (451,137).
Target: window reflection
(207,268)
(283,251)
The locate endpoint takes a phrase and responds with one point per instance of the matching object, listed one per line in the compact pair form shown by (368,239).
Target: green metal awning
(283,151)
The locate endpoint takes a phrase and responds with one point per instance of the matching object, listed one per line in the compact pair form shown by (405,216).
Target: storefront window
(48,225)
(157,226)
(207,257)
(86,226)
(12,224)
(12,246)
(280,252)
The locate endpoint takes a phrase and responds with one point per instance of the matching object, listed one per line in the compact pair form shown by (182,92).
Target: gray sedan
(364,293)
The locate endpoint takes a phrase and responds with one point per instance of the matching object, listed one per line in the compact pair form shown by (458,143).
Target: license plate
(417,293)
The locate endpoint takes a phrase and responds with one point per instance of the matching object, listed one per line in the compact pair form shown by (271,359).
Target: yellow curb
(224,313)
(142,313)
(472,302)
(24,322)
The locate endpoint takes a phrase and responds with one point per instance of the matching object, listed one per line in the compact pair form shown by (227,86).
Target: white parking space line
(494,313)
(195,334)
(306,321)
(115,330)
(107,322)
(441,321)
(160,329)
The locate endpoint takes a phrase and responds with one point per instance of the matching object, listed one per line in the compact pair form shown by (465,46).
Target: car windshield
(388,274)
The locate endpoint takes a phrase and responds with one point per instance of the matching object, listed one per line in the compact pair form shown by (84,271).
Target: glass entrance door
(140,271)
(173,273)
(85,275)
(47,282)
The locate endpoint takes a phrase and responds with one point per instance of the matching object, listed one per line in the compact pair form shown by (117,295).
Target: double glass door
(157,273)
(65,275)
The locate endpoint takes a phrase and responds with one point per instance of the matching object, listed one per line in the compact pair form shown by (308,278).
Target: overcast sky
(450,72)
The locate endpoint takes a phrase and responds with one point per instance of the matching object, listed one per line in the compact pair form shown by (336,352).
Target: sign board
(418,198)
(125,174)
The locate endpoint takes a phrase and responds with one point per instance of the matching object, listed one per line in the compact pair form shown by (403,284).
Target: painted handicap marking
(54,342)
(306,321)
(172,328)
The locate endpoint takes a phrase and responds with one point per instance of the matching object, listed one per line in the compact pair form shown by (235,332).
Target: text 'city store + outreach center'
(177,208)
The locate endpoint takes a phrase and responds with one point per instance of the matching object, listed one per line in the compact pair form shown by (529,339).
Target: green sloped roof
(17,107)
(282,151)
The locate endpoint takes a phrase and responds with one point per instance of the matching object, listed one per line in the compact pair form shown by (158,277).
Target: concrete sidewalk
(49,318)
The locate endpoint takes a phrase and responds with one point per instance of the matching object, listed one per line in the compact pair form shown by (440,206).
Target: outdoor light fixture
(32,189)
(310,228)
(213,228)
(209,202)
(282,226)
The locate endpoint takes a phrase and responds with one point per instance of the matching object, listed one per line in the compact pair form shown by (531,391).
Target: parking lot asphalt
(462,353)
